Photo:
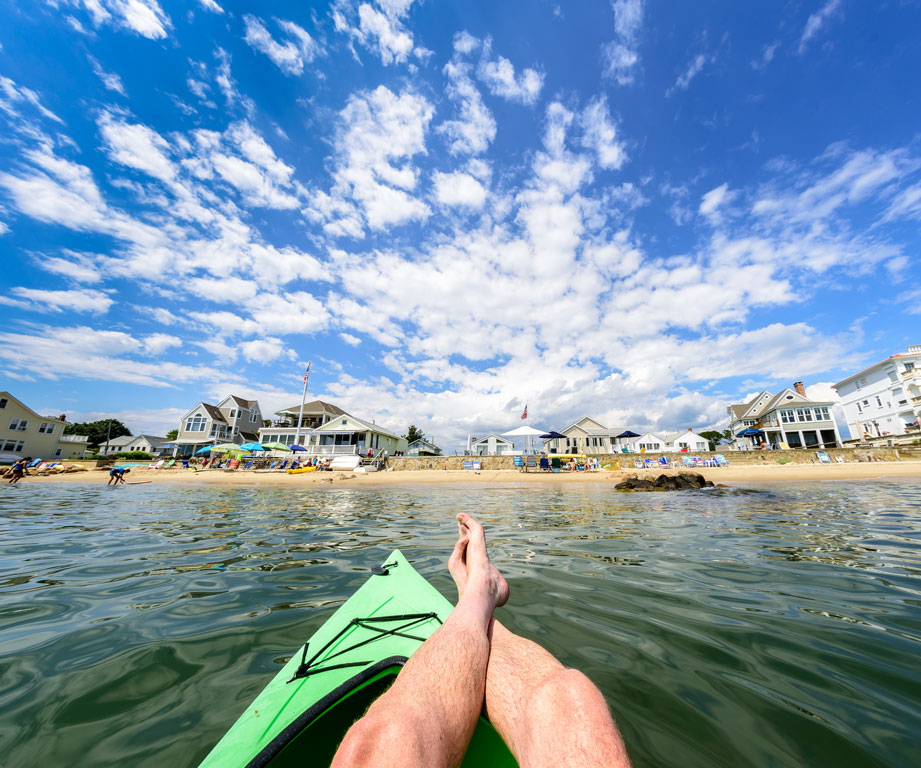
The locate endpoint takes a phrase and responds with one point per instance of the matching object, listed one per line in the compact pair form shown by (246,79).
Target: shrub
(784,461)
(96,456)
(139,455)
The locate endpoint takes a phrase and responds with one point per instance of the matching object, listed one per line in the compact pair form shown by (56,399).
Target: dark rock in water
(683,481)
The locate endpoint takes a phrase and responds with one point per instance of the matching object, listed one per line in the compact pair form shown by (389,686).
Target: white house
(884,399)
(284,428)
(147,443)
(350,435)
(687,441)
(491,445)
(647,443)
(422,446)
(233,420)
(786,420)
(586,436)
(23,432)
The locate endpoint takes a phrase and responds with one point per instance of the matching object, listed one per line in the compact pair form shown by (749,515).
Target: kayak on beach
(301,470)
(302,715)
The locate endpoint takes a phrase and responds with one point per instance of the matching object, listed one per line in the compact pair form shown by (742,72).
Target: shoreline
(730,476)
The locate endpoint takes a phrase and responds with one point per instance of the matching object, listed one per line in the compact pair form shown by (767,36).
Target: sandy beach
(731,476)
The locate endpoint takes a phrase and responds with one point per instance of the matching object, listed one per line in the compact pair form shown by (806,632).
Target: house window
(903,402)
(893,376)
(195,424)
(879,402)
(859,409)
(909,366)
(821,414)
(787,416)
(13,445)
(3,402)
(232,413)
(57,452)
(804,414)
(19,424)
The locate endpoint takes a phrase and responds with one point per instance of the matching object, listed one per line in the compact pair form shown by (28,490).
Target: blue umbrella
(203,450)
(167,447)
(628,433)
(750,432)
(296,448)
(252,447)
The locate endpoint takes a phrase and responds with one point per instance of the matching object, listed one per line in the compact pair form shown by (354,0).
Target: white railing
(912,374)
(330,450)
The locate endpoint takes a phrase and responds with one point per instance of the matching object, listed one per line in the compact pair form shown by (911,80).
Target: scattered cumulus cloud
(295,48)
(109,79)
(816,21)
(620,55)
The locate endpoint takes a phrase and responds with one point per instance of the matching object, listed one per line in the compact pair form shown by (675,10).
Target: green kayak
(303,713)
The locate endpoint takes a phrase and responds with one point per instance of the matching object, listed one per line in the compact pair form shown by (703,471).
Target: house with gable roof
(788,420)
(233,420)
(586,436)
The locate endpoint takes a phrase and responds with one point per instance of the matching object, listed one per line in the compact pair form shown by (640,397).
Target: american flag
(525,414)
(307,373)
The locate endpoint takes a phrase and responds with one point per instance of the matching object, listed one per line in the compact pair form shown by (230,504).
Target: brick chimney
(798,386)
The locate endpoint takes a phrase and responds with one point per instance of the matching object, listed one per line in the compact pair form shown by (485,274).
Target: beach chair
(248,465)
(555,464)
(824,458)
(476,466)
(170,464)
(530,463)
(234,464)
(544,464)
(284,464)
(720,460)
(34,463)
(663,462)
(468,464)
(185,463)
(519,463)
(639,464)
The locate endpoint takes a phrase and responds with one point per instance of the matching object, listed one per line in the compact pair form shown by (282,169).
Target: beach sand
(731,476)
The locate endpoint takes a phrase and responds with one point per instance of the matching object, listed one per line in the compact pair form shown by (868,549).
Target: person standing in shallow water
(546,714)
(116,475)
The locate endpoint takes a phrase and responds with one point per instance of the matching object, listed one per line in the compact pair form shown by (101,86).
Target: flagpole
(300,418)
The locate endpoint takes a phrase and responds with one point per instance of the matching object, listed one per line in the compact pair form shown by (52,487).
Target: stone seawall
(626,460)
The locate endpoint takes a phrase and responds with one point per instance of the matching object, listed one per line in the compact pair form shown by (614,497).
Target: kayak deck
(304,712)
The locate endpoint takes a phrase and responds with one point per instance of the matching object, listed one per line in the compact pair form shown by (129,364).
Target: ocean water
(770,626)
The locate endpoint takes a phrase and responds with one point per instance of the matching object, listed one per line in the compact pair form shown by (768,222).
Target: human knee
(569,690)
(374,736)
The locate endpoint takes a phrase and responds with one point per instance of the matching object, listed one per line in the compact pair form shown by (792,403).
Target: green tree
(714,437)
(413,433)
(98,431)
(172,434)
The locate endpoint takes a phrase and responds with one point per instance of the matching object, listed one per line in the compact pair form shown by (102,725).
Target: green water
(775,627)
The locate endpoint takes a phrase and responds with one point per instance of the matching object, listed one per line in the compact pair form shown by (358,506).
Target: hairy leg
(428,716)
(546,714)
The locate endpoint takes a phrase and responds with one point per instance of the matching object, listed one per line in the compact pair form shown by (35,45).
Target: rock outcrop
(683,481)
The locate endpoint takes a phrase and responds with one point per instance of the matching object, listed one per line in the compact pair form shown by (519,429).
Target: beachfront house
(422,447)
(785,420)
(349,435)
(146,443)
(585,436)
(687,441)
(72,447)
(491,445)
(24,432)
(284,428)
(884,399)
(646,443)
(233,420)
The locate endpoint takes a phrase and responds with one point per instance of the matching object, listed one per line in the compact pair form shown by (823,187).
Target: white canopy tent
(526,432)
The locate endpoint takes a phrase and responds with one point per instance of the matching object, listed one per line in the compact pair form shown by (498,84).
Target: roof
(241,402)
(491,434)
(125,439)
(36,414)
(214,412)
(670,437)
(250,437)
(314,406)
(876,365)
(578,425)
(422,440)
(330,427)
(738,410)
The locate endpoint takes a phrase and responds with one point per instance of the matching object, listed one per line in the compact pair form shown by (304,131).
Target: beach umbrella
(204,450)
(526,432)
(275,446)
(296,448)
(252,447)
(750,432)
(628,433)
(226,448)
(551,435)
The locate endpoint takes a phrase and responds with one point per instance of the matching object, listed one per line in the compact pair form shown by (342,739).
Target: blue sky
(625,209)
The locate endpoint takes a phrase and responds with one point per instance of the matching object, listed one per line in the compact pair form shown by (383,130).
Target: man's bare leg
(428,716)
(545,713)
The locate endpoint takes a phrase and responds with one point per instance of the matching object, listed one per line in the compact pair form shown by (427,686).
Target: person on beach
(116,475)
(18,470)
(547,715)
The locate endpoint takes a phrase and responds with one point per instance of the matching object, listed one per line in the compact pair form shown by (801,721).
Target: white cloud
(77,267)
(262,350)
(210,5)
(459,189)
(137,146)
(816,21)
(693,69)
(13,97)
(620,55)
(500,78)
(109,79)
(144,17)
(767,55)
(713,199)
(379,134)
(600,134)
(348,338)
(475,128)
(394,43)
(76,300)
(157,343)
(296,48)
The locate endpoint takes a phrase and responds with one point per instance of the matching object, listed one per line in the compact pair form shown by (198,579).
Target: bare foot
(469,563)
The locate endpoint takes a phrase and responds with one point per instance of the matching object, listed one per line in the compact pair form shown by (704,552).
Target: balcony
(912,374)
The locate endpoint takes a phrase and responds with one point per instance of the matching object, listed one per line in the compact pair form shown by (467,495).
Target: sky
(635,210)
